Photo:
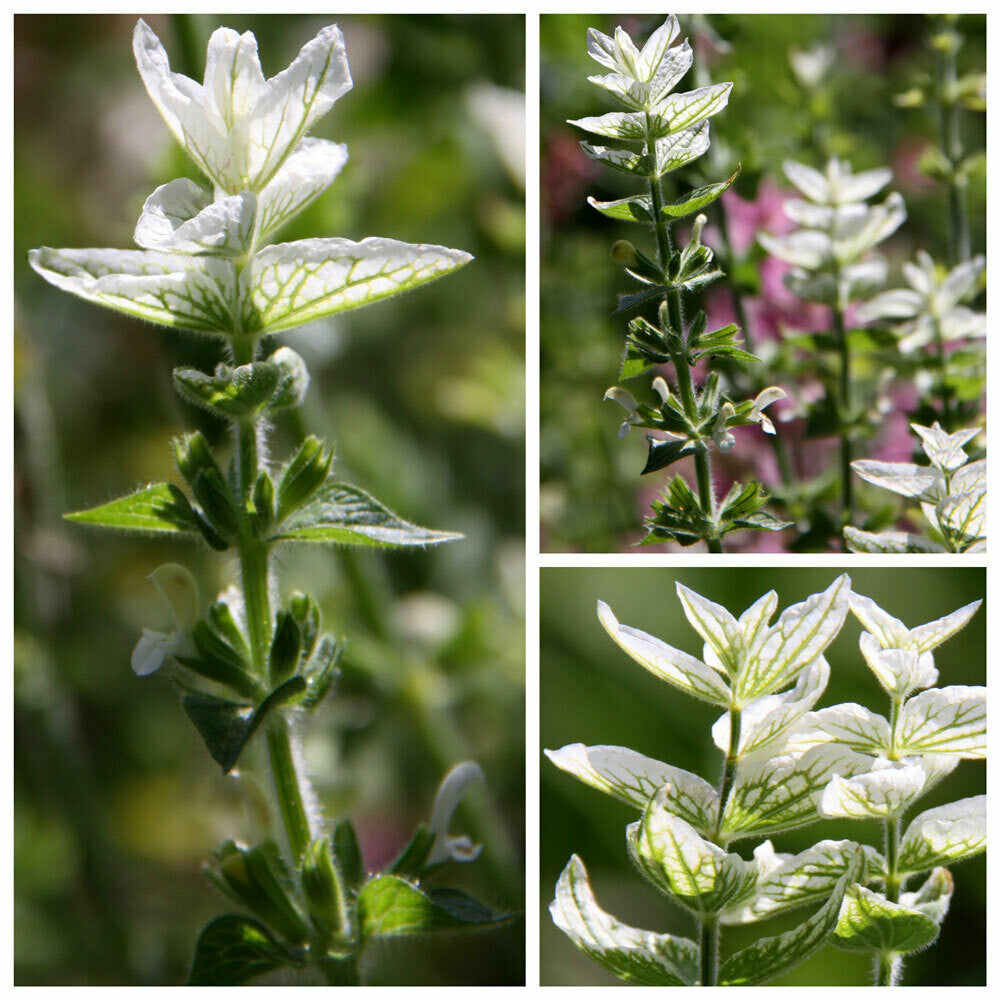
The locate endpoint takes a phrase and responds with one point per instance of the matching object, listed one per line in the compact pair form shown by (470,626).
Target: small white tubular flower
(238,127)
(723,439)
(662,389)
(179,590)
(931,307)
(765,398)
(453,786)
(626,400)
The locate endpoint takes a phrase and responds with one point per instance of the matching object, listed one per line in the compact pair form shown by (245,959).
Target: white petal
(180,590)
(150,651)
(453,786)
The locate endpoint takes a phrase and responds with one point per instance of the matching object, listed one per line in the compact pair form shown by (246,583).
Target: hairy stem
(286,787)
(892,880)
(843,413)
(729,767)
(708,946)
(888,966)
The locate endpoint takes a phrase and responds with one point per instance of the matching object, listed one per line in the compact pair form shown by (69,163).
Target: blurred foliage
(591,496)
(593,693)
(117,802)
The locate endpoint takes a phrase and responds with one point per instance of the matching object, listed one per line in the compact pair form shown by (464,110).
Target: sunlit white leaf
(633,778)
(944,835)
(805,248)
(669,664)
(289,284)
(950,720)
(770,957)
(884,791)
(880,222)
(766,723)
(930,636)
(716,626)
(888,541)
(917,482)
(900,671)
(933,898)
(800,635)
(637,956)
(306,173)
(697,873)
(237,126)
(782,793)
(853,726)
(180,217)
(193,293)
(808,877)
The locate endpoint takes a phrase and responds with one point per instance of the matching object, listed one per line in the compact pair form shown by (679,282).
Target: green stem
(729,768)
(888,969)
(943,389)
(892,880)
(287,788)
(959,249)
(843,413)
(340,972)
(708,946)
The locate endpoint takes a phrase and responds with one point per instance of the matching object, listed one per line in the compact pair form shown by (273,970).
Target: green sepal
(198,467)
(224,624)
(699,198)
(305,611)
(678,516)
(257,878)
(305,473)
(770,957)
(233,949)
(231,393)
(411,860)
(162,508)
(869,922)
(283,657)
(347,851)
(263,503)
(637,208)
(226,726)
(664,453)
(218,661)
(325,893)
(343,514)
(389,906)
(320,672)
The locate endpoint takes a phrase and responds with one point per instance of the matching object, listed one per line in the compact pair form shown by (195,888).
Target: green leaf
(162,508)
(233,949)
(869,922)
(637,208)
(230,392)
(226,726)
(699,198)
(770,957)
(944,835)
(344,514)
(389,906)
(634,955)
(694,872)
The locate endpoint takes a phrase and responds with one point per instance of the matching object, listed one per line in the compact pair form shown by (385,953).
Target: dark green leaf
(234,949)
(410,863)
(664,453)
(344,514)
(389,906)
(699,198)
(231,392)
(156,509)
(869,922)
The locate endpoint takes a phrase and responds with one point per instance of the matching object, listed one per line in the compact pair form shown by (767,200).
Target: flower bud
(623,252)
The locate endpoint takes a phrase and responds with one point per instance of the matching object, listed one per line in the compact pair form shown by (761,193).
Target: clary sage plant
(254,662)
(660,132)
(786,765)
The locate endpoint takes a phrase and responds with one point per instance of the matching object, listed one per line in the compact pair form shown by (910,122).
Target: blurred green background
(592,496)
(593,693)
(117,803)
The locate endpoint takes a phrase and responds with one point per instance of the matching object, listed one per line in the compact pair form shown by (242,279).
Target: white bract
(787,765)
(204,265)
(951,492)
(930,310)
(829,253)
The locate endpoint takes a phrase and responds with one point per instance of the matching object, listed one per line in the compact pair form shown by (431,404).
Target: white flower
(626,400)
(238,127)
(180,591)
(765,398)
(930,307)
(453,786)
(724,441)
